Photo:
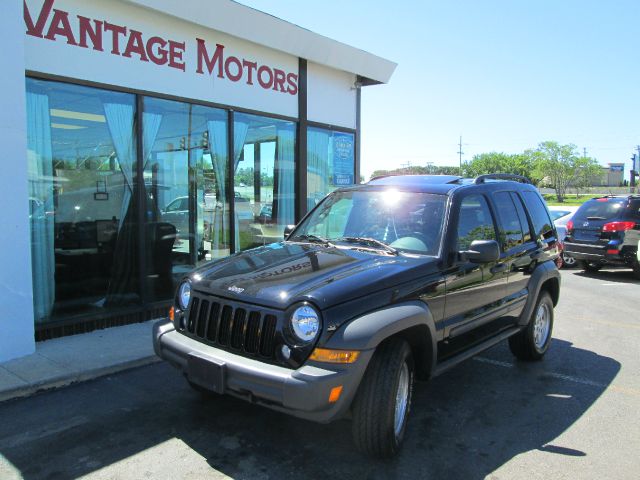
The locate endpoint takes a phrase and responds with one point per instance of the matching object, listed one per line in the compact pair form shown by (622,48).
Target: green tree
(588,170)
(555,166)
(497,162)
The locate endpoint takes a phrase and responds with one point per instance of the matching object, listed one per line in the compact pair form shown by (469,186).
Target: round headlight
(305,323)
(184,294)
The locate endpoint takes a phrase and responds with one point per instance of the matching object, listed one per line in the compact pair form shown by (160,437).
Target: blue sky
(505,75)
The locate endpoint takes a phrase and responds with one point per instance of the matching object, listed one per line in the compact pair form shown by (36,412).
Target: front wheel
(383,401)
(568,261)
(533,342)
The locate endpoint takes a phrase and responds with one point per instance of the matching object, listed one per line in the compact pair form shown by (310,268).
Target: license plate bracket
(206,372)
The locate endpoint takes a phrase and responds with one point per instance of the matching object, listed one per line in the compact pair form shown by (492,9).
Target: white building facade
(147,137)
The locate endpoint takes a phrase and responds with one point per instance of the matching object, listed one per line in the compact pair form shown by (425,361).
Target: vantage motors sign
(121,44)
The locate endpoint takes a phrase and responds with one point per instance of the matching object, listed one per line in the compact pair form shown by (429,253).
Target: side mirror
(287,230)
(482,251)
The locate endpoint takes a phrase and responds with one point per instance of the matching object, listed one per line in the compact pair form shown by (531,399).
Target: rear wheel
(533,342)
(590,266)
(383,401)
(636,269)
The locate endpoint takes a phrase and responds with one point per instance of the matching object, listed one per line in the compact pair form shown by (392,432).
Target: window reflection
(330,157)
(185,181)
(264,180)
(81,163)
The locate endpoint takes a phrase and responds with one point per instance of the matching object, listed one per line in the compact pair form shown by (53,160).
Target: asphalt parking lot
(573,415)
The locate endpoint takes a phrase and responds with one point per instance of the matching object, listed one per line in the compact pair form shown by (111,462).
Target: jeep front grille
(233,326)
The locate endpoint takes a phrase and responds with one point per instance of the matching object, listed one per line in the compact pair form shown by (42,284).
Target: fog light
(286,352)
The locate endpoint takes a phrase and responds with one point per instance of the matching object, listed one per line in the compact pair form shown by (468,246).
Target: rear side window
(524,223)
(600,209)
(510,227)
(539,215)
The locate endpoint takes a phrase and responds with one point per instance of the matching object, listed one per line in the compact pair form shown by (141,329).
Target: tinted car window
(522,216)
(475,221)
(600,209)
(510,228)
(539,216)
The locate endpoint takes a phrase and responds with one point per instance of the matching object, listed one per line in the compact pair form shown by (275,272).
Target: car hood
(281,274)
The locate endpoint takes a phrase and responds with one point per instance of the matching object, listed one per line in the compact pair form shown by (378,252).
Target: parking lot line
(569,378)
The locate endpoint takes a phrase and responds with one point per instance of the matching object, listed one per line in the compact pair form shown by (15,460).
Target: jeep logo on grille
(235,289)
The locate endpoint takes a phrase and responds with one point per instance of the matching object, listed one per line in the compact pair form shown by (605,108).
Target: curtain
(284,193)
(120,122)
(40,165)
(124,284)
(318,166)
(218,145)
(150,127)
(240,130)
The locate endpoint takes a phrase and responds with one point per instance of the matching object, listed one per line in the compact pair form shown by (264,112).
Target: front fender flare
(368,331)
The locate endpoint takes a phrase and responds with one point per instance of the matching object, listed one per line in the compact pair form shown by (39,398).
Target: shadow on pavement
(464,424)
(622,275)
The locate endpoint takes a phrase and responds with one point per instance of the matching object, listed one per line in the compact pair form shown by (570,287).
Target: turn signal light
(334,356)
(335,394)
(618,226)
(172,314)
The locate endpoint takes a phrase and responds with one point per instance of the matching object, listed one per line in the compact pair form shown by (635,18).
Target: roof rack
(501,176)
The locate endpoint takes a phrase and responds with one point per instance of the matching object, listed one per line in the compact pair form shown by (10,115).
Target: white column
(16,295)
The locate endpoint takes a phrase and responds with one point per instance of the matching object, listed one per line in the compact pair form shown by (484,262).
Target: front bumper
(303,392)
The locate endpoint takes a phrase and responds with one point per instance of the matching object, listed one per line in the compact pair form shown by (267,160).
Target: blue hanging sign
(342,159)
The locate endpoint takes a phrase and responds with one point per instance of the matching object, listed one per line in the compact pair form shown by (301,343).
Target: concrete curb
(76,377)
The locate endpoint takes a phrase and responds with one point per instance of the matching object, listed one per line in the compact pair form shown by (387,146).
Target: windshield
(380,219)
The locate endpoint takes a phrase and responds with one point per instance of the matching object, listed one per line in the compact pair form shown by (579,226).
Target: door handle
(500,267)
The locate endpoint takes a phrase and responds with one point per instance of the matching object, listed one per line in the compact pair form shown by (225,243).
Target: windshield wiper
(371,242)
(308,237)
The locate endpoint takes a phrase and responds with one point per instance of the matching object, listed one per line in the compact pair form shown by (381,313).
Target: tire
(383,401)
(590,267)
(636,269)
(533,342)
(568,261)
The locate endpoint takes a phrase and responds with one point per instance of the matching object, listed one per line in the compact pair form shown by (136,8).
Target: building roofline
(247,23)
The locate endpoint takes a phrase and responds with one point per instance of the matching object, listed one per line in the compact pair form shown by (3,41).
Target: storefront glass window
(264,180)
(185,165)
(82,192)
(330,163)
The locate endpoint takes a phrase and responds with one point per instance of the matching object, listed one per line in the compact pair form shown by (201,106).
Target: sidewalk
(63,361)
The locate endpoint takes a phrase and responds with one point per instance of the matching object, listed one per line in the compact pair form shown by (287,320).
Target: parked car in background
(606,231)
(560,216)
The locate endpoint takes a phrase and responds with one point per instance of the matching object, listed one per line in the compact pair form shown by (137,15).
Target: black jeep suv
(403,277)
(606,230)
